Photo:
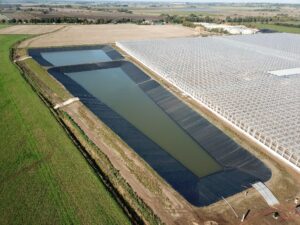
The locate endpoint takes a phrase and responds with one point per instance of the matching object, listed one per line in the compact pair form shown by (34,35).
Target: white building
(230,29)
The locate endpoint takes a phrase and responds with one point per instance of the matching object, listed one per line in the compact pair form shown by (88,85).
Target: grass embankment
(44,179)
(278,28)
(48,82)
(3,26)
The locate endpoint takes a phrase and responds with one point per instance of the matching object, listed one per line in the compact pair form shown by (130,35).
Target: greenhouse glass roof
(232,75)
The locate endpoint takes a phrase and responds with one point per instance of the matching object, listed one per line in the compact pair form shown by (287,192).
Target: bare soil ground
(157,195)
(97,34)
(30,29)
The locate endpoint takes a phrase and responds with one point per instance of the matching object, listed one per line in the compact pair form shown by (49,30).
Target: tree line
(164,18)
(74,20)
(212,19)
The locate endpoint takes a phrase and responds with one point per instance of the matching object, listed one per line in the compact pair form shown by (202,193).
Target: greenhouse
(237,78)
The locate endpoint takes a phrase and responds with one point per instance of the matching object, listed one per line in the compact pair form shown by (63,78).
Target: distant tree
(14,20)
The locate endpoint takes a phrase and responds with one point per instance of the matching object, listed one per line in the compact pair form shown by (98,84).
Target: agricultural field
(278,28)
(139,12)
(95,34)
(29,29)
(44,179)
(217,10)
(27,12)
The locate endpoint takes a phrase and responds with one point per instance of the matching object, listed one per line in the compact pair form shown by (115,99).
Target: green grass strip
(3,26)
(278,28)
(44,179)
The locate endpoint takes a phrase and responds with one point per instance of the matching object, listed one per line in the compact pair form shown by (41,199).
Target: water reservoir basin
(74,55)
(196,158)
(113,87)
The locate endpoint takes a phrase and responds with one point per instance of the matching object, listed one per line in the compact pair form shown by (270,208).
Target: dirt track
(30,29)
(59,35)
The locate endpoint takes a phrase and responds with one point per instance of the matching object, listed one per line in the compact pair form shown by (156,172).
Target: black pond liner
(240,167)
(36,52)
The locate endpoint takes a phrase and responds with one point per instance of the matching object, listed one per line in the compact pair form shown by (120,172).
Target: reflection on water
(75,57)
(114,88)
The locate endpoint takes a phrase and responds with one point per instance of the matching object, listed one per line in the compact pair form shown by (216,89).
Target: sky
(243,1)
(204,1)
(199,1)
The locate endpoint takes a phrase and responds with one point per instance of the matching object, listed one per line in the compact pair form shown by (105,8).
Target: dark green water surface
(114,88)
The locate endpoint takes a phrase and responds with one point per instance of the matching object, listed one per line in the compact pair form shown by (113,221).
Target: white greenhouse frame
(230,76)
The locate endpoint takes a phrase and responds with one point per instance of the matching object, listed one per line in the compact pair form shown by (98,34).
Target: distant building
(229,28)
(147,22)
